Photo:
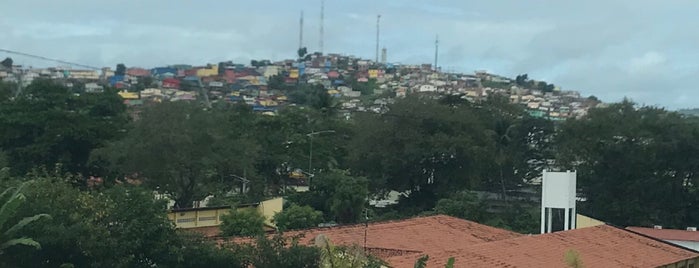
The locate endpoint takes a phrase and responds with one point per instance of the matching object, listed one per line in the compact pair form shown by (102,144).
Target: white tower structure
(558,201)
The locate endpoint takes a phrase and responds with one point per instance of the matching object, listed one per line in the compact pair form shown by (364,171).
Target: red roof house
(171,83)
(402,242)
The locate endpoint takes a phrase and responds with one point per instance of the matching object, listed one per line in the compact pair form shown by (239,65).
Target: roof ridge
(380,223)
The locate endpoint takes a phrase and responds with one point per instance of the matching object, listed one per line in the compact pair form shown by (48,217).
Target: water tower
(558,201)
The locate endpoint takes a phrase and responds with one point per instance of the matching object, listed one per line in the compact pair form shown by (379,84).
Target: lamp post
(310,149)
(244,180)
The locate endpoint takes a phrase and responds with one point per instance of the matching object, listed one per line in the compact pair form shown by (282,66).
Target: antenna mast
(378,19)
(436,51)
(301,31)
(322,16)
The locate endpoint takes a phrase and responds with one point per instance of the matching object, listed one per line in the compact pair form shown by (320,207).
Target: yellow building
(211,216)
(582,221)
(211,70)
(128,95)
(373,73)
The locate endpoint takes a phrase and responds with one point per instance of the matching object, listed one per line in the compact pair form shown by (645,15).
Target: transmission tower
(301,31)
(378,19)
(322,16)
(436,51)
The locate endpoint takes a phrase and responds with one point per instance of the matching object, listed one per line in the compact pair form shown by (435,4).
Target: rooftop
(667,234)
(401,242)
(599,246)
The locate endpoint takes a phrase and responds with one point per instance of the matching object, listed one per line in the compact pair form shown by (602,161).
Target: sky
(644,50)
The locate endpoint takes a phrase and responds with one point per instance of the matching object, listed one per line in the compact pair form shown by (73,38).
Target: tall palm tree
(11,199)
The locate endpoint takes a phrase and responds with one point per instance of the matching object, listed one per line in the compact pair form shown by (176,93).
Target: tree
(521,80)
(184,150)
(122,226)
(7,63)
(297,217)
(302,52)
(338,194)
(277,252)
(198,251)
(47,124)
(12,199)
(421,146)
(349,198)
(636,166)
(243,222)
(286,144)
(465,205)
(332,256)
(120,69)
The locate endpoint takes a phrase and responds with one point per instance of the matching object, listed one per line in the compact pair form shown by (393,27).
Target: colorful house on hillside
(171,83)
(113,80)
(138,72)
(210,70)
(163,72)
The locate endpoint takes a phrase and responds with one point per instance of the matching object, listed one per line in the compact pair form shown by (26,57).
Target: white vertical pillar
(550,220)
(566,222)
(543,219)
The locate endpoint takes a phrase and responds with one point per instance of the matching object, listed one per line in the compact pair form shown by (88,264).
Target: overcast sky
(645,50)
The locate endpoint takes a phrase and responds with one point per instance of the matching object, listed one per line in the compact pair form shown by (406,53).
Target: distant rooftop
(402,242)
(667,234)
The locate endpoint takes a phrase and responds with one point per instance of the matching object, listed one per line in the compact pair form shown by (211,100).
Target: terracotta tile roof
(667,234)
(599,246)
(402,242)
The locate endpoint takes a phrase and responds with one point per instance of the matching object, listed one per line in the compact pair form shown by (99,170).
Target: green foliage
(422,261)
(519,216)
(573,260)
(433,148)
(198,251)
(637,166)
(278,252)
(243,222)
(120,69)
(450,263)
(302,52)
(91,229)
(285,143)
(465,205)
(12,199)
(298,217)
(185,150)
(332,256)
(338,194)
(47,125)
(367,88)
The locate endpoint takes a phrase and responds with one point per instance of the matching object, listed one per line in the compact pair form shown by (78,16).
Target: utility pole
(378,19)
(322,17)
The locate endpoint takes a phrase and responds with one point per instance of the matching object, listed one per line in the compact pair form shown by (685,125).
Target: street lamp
(310,150)
(244,180)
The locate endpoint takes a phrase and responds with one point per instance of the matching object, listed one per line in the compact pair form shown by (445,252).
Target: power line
(49,59)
